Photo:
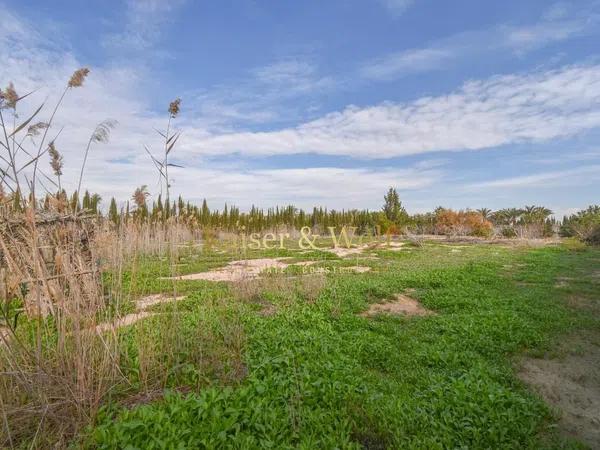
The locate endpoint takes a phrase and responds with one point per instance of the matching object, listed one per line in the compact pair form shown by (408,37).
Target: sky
(465,104)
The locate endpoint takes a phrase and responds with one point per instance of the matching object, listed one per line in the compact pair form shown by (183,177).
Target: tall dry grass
(62,355)
(61,363)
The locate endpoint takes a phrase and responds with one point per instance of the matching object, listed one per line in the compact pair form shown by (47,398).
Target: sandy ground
(401,305)
(237,270)
(141,305)
(156,299)
(342,252)
(572,386)
(360,269)
(243,270)
(129,319)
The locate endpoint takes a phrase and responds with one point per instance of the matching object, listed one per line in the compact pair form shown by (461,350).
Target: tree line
(392,218)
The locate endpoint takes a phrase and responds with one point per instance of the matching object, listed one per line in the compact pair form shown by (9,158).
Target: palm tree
(536,214)
(485,213)
(507,216)
(529,213)
(544,212)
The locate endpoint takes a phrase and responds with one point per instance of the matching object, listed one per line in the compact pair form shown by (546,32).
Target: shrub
(462,223)
(594,237)
(583,225)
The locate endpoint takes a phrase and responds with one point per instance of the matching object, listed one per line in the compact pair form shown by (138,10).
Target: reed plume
(101,134)
(56,159)
(36,128)
(10,97)
(78,77)
(174,107)
(139,196)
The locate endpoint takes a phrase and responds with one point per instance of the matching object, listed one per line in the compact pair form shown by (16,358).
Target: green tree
(485,213)
(113,212)
(393,209)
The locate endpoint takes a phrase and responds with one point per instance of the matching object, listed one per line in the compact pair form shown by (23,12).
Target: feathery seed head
(9,97)
(174,107)
(139,196)
(35,129)
(102,131)
(56,159)
(78,77)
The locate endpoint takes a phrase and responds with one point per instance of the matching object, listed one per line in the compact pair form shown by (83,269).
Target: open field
(436,345)
(299,225)
(171,325)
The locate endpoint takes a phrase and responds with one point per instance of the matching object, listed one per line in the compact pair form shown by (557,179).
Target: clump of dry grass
(57,365)
(56,373)
(55,369)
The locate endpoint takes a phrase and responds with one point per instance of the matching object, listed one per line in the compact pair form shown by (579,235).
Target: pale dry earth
(249,269)
(401,304)
(141,305)
(571,385)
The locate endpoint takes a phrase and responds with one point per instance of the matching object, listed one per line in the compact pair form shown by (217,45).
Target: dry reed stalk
(56,369)
(57,375)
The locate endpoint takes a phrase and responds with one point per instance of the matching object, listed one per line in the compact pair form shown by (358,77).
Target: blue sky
(462,104)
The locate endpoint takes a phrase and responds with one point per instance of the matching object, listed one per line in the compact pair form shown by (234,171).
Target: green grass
(317,375)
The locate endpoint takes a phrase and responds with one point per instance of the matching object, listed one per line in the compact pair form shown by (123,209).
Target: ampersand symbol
(305,234)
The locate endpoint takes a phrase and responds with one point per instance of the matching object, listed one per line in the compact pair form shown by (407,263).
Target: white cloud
(396,7)
(268,93)
(409,61)
(557,24)
(482,114)
(145,21)
(570,177)
(527,38)
(339,188)
(284,72)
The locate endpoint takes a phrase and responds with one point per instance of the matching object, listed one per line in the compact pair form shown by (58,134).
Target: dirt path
(156,299)
(237,270)
(141,305)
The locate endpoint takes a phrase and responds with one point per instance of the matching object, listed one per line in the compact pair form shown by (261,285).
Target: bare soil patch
(304,263)
(571,385)
(242,270)
(342,252)
(156,299)
(124,321)
(237,270)
(141,306)
(401,305)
